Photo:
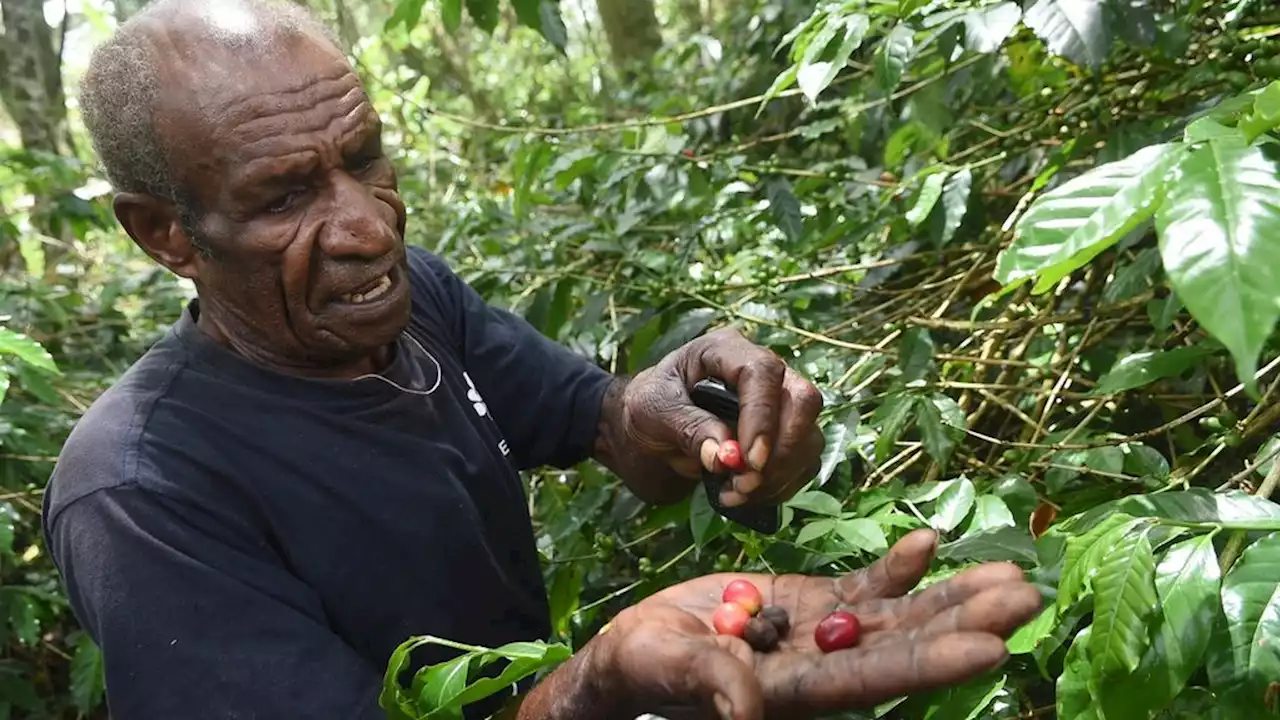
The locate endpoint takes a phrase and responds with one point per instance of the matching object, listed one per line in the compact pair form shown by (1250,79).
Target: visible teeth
(384,284)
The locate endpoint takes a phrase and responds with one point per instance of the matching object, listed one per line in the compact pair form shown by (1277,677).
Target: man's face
(295,200)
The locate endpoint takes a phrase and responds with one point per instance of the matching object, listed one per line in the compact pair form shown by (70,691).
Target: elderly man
(321,458)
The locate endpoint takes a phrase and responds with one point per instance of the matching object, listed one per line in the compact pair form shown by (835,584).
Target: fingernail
(732,498)
(708,451)
(724,707)
(759,453)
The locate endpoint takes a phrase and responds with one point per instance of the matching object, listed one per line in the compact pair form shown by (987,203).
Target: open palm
(911,642)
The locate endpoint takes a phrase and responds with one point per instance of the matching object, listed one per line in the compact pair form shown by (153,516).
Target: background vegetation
(1027,250)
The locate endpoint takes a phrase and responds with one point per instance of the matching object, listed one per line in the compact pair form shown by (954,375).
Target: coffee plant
(1027,250)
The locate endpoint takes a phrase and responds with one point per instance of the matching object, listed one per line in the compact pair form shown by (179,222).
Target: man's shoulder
(105,449)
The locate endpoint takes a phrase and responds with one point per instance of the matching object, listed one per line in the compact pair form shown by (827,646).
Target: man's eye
(281,203)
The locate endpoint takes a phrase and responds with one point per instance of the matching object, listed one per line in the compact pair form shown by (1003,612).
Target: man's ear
(154,225)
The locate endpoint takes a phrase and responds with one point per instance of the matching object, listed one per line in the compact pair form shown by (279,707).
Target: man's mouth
(370,292)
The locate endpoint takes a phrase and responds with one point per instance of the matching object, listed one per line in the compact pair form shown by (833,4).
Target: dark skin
(294,216)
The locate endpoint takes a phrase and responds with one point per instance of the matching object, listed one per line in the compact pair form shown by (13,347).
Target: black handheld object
(716,398)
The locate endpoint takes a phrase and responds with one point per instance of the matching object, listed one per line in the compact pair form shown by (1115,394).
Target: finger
(780,489)
(999,610)
(728,681)
(800,441)
(756,374)
(921,608)
(893,575)
(860,678)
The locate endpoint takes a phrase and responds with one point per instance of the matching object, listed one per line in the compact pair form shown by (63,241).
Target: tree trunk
(632,29)
(31,90)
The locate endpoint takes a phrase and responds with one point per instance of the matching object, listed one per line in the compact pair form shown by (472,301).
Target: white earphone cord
(398,386)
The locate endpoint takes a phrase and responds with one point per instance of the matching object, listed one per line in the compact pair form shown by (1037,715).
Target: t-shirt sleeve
(544,397)
(243,638)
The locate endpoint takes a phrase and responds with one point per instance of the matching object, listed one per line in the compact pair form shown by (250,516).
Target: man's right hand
(663,655)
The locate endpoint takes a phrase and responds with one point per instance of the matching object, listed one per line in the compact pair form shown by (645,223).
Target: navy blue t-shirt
(247,544)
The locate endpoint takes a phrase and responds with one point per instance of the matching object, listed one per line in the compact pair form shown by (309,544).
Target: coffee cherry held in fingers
(837,631)
(744,593)
(730,619)
(730,454)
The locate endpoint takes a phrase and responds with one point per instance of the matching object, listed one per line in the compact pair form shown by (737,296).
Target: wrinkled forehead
(230,80)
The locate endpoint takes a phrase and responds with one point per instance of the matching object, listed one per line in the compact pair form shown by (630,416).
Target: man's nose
(357,223)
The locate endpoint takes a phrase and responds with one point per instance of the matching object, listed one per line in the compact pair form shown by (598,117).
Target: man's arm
(195,618)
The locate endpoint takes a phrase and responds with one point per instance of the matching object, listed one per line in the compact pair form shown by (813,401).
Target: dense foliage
(1024,248)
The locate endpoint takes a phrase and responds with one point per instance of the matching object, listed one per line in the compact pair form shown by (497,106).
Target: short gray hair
(119,90)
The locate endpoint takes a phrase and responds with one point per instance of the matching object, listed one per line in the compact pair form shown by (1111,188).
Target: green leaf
(552,24)
(785,208)
(930,191)
(1083,554)
(1143,368)
(1145,462)
(815,75)
(484,13)
(1018,495)
(1265,115)
(963,701)
(942,426)
(955,203)
(1075,689)
(953,505)
(1267,455)
(450,13)
(88,681)
(687,327)
(894,55)
(1231,510)
(989,513)
(7,516)
(915,354)
(393,699)
(1217,229)
(1251,604)
(1124,599)
(1073,29)
(1066,228)
(985,29)
(1028,637)
(863,534)
(526,659)
(837,435)
(1137,20)
(1187,585)
(407,13)
(443,682)
(893,415)
(814,530)
(816,502)
(1003,544)
(25,349)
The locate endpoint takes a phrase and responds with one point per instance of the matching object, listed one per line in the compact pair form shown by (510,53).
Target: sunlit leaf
(953,505)
(989,513)
(1145,367)
(814,74)
(1217,229)
(1066,228)
(1187,587)
(1002,544)
(837,435)
(1074,29)
(1075,689)
(816,502)
(863,533)
(946,219)
(25,349)
(985,29)
(1251,605)
(893,55)
(1124,598)
(1084,553)
(930,191)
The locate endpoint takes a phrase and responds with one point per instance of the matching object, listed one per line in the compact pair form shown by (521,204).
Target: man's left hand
(777,426)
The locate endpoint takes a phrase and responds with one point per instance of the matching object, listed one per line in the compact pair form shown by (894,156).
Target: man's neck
(217,330)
